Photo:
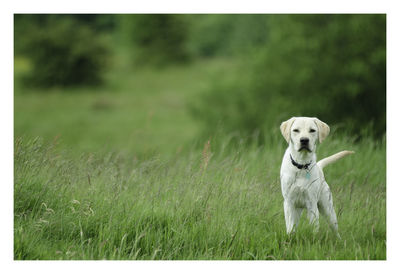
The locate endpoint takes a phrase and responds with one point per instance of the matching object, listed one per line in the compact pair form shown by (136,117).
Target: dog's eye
(312,130)
(295,130)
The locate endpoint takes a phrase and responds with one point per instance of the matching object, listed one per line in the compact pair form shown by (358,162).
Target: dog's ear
(285,128)
(323,129)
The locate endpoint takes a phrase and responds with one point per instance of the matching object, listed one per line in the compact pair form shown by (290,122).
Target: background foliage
(157,39)
(330,66)
(63,50)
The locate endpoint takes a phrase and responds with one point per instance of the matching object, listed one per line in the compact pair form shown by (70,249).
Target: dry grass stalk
(206,155)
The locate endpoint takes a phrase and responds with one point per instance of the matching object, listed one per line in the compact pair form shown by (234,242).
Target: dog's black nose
(304,141)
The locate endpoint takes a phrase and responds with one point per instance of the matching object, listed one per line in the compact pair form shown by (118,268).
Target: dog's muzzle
(304,144)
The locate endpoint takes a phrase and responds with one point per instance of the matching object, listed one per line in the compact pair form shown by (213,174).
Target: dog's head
(303,133)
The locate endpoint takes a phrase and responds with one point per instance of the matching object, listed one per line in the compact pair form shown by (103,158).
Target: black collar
(299,166)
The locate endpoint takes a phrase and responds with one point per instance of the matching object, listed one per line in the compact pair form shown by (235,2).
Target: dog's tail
(331,159)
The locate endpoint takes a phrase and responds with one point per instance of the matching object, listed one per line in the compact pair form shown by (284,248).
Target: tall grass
(215,201)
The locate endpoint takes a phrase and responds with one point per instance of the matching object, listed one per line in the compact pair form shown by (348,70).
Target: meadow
(120,172)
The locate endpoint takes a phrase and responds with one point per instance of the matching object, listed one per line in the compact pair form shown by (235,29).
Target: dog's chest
(303,187)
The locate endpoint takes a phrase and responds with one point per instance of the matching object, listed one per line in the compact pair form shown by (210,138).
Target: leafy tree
(63,50)
(157,39)
(226,34)
(330,66)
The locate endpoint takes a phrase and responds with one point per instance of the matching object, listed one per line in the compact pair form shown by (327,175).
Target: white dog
(302,179)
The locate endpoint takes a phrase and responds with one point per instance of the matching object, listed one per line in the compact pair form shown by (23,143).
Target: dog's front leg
(292,216)
(326,206)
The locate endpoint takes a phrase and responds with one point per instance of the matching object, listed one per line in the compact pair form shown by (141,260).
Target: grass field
(139,111)
(117,172)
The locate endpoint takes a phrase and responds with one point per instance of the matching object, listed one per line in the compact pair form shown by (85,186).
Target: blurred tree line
(330,66)
(64,50)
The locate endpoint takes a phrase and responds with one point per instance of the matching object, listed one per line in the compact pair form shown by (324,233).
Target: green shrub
(329,66)
(156,39)
(63,51)
(226,34)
